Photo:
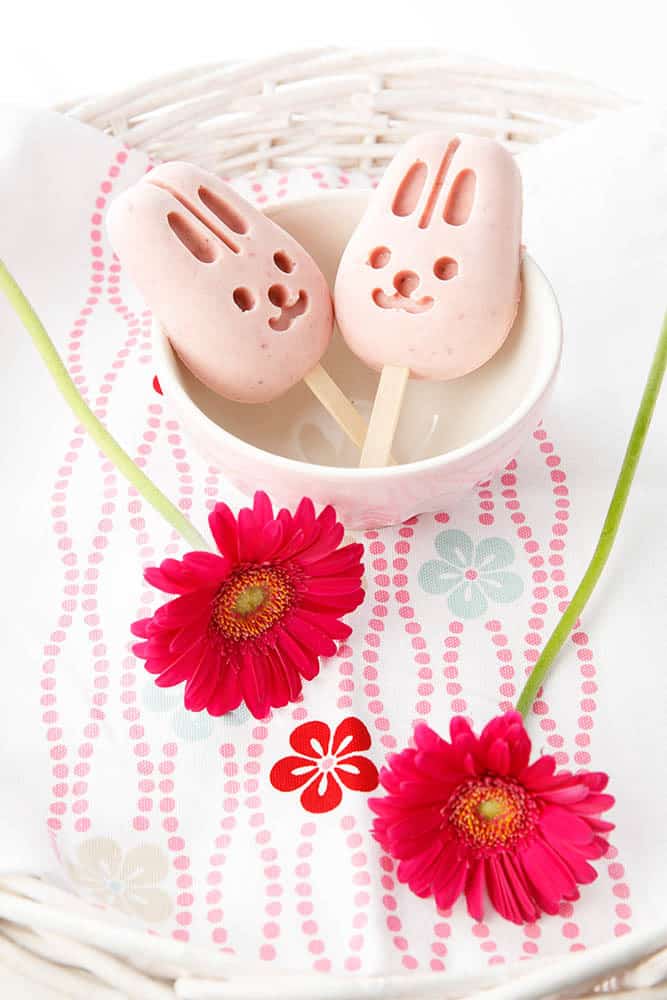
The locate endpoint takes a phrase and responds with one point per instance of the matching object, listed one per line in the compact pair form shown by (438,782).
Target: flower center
(492,813)
(471,574)
(326,764)
(251,601)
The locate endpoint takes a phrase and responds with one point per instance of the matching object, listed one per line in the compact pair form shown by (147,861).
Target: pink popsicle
(245,306)
(429,283)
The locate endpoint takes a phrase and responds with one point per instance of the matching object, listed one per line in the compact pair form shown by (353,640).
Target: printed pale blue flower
(471,574)
(190,726)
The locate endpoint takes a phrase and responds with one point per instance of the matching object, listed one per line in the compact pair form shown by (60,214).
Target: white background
(52,50)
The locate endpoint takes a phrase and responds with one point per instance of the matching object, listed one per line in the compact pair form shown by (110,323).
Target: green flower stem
(609,528)
(85,415)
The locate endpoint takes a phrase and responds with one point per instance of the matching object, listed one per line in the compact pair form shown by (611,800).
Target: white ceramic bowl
(451,435)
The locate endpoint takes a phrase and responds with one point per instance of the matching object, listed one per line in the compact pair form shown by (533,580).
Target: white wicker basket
(351,109)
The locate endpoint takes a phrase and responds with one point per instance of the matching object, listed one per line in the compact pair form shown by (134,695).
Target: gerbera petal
(548,874)
(346,559)
(253,680)
(311,739)
(248,535)
(417,872)
(539,774)
(292,676)
(278,682)
(332,586)
(447,892)
(601,825)
(474,889)
(307,663)
(358,773)
(519,888)
(182,638)
(326,540)
(262,508)
(499,891)
(567,795)
(326,519)
(201,685)
(340,604)
(140,627)
(598,848)
(578,865)
(331,626)
(322,795)
(227,695)
(459,726)
(564,825)
(416,823)
(440,769)
(594,804)
(169,577)
(291,544)
(183,609)
(180,668)
(520,748)
(427,739)
(304,515)
(271,540)
(222,524)
(351,736)
(597,781)
(208,567)
(309,637)
(498,757)
(291,773)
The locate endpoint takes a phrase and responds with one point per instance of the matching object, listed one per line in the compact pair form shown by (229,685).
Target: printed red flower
(251,623)
(324,764)
(474,816)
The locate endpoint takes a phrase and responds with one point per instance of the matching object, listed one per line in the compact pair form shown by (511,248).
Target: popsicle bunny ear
(215,204)
(432,187)
(410,189)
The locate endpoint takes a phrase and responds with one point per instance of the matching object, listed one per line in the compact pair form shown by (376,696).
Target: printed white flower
(127,883)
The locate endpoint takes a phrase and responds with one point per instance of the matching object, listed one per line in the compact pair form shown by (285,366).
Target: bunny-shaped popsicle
(245,306)
(429,283)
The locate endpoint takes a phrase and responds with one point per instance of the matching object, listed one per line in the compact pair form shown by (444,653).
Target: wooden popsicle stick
(384,418)
(335,402)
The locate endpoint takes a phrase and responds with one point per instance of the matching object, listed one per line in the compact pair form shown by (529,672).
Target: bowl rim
(166,363)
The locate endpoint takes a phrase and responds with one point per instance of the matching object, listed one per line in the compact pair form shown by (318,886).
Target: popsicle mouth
(405,283)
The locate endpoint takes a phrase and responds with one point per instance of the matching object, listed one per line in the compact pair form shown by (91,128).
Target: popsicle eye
(243,299)
(379,257)
(283,262)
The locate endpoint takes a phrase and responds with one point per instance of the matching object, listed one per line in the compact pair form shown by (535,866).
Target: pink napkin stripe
(375,706)
(59,750)
(454,689)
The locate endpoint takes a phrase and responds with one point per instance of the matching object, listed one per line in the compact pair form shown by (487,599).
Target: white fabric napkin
(96,766)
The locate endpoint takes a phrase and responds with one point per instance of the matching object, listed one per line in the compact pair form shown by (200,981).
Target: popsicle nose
(406,282)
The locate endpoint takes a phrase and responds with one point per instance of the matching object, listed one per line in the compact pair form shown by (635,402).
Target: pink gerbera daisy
(474,816)
(250,623)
